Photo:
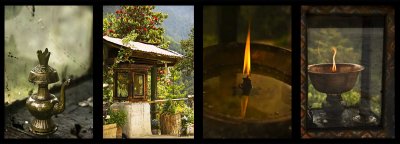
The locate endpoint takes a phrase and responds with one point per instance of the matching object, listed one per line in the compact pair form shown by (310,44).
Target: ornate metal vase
(43,105)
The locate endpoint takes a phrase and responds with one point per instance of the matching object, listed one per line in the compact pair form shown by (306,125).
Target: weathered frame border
(388,77)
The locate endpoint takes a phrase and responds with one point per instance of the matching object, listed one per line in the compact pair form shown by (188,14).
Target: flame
(333,58)
(246,64)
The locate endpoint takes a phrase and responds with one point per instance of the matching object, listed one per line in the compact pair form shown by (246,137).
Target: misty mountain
(179,22)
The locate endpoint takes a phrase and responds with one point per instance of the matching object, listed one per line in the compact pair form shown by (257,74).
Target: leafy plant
(315,98)
(351,98)
(376,105)
(187,116)
(136,23)
(117,116)
(169,107)
(171,88)
(155,124)
(187,64)
(108,89)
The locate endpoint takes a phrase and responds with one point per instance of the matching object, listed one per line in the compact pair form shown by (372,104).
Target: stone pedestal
(138,123)
(334,110)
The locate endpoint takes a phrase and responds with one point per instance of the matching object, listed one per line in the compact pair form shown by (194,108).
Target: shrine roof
(144,50)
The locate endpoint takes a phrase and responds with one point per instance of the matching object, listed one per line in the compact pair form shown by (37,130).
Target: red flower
(119,12)
(110,31)
(145,29)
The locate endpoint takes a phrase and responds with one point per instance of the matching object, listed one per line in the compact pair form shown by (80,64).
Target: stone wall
(138,123)
(65,30)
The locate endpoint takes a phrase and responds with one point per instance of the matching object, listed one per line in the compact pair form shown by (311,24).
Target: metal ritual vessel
(334,84)
(43,105)
(224,87)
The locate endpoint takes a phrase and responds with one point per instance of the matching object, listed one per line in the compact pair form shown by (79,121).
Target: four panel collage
(281,73)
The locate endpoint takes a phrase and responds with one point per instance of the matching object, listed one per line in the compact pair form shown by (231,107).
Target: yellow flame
(246,65)
(333,58)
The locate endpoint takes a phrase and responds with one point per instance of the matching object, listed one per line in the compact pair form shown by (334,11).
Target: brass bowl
(219,121)
(326,81)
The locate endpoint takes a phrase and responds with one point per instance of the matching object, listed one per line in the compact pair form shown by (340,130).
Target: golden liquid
(270,99)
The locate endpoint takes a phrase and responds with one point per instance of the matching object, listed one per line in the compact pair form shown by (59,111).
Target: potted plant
(109,129)
(187,120)
(170,119)
(117,118)
(155,127)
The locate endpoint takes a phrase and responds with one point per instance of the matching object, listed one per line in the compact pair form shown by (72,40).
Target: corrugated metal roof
(137,46)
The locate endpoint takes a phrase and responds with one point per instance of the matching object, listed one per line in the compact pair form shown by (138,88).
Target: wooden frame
(116,92)
(387,130)
(132,70)
(134,74)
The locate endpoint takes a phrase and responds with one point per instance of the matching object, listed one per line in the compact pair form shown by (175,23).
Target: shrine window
(138,81)
(130,82)
(123,84)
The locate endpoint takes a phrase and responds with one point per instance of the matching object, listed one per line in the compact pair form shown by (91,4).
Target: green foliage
(117,116)
(107,79)
(179,107)
(169,107)
(188,113)
(170,87)
(123,56)
(187,64)
(376,105)
(321,41)
(174,45)
(136,23)
(316,99)
(187,117)
(351,98)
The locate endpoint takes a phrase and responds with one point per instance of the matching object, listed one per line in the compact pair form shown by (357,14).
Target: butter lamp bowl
(325,80)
